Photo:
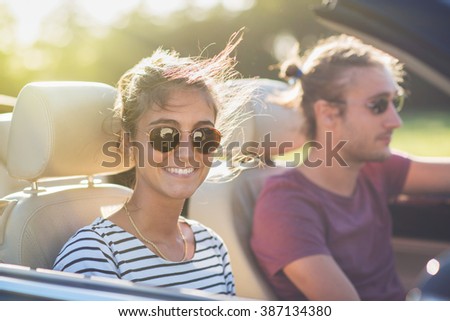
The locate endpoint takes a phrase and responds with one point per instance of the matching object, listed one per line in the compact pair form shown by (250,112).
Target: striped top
(105,249)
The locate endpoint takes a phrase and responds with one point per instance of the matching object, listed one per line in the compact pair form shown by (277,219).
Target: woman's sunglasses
(165,139)
(380,105)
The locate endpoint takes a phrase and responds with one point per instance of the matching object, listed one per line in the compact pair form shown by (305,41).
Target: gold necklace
(159,252)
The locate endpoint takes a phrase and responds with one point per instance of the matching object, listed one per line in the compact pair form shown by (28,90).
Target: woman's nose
(185,151)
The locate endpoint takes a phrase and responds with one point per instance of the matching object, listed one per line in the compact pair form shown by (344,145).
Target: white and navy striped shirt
(105,249)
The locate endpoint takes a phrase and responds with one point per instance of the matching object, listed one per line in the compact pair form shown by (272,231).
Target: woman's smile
(186,171)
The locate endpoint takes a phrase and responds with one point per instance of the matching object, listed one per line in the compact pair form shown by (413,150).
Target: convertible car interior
(56,131)
(53,180)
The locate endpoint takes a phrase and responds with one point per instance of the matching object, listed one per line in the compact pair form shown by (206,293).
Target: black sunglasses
(165,139)
(380,105)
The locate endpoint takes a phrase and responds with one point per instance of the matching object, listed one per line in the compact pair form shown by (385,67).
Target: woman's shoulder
(196,226)
(201,230)
(98,229)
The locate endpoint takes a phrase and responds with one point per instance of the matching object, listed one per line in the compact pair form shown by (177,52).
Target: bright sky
(30,13)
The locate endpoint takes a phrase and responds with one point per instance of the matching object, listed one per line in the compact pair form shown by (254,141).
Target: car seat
(8,184)
(58,130)
(227,207)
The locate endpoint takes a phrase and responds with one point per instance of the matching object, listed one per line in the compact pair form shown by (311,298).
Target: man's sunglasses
(380,105)
(165,139)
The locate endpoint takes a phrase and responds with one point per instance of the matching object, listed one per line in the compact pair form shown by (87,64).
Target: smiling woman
(169,107)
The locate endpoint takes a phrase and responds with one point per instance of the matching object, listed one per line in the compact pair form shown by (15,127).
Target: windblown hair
(322,72)
(151,82)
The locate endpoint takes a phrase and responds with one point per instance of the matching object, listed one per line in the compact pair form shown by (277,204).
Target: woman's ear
(326,114)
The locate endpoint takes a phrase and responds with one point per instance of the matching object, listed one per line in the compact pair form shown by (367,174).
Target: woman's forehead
(181,106)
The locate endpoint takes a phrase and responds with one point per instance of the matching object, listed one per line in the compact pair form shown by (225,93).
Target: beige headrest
(5,123)
(58,129)
(282,123)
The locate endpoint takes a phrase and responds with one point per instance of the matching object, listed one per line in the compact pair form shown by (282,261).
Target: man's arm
(428,175)
(320,279)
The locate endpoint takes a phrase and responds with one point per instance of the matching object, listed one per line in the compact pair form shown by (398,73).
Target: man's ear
(326,114)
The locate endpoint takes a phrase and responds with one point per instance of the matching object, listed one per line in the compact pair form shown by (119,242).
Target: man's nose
(393,119)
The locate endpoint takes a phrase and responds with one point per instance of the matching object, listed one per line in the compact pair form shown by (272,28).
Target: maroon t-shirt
(295,218)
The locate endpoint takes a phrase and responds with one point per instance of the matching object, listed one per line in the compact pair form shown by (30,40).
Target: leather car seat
(58,130)
(227,207)
(8,184)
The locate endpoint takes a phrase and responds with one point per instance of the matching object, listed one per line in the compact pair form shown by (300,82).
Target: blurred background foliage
(73,45)
(88,40)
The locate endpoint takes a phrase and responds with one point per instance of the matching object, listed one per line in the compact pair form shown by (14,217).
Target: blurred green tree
(72,46)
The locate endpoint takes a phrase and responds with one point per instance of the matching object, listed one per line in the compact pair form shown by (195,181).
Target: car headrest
(283,124)
(59,129)
(5,122)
